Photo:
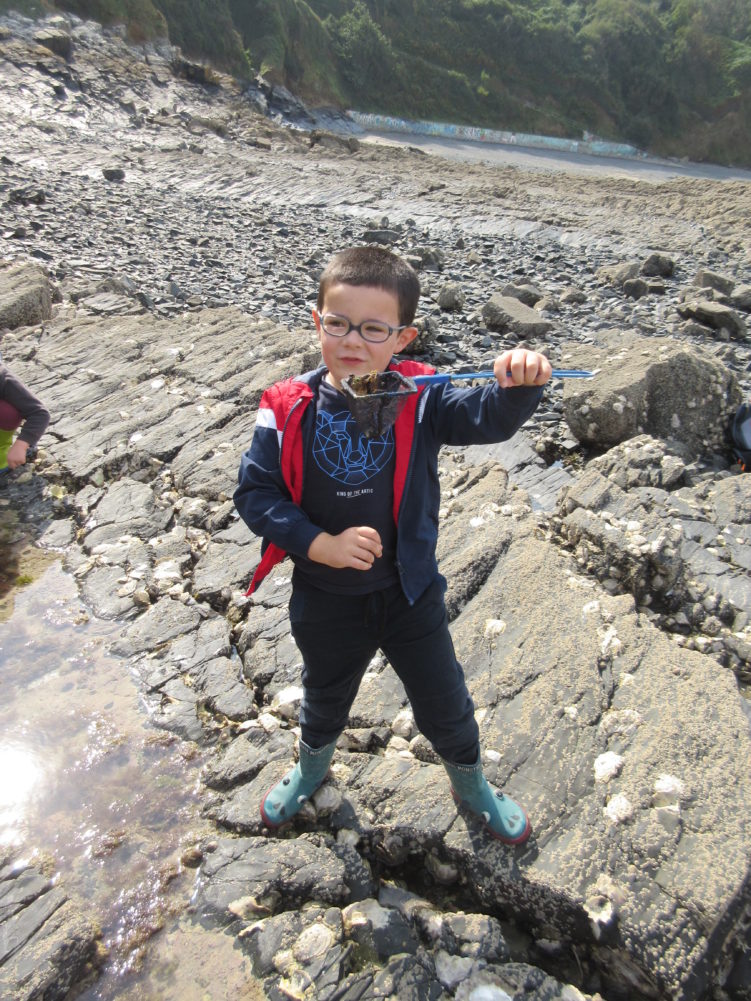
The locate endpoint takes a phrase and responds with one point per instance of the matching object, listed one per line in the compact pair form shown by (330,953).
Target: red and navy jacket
(272,470)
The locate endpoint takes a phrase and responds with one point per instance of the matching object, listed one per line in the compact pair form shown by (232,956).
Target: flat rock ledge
(47,944)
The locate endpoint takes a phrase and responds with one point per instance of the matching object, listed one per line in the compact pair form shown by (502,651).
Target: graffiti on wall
(588,144)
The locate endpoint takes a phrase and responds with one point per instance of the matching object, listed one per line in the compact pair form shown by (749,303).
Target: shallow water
(91,791)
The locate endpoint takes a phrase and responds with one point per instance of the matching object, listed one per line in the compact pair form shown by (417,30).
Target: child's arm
(35,415)
(493,411)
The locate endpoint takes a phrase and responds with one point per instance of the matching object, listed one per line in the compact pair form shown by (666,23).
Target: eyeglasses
(370,330)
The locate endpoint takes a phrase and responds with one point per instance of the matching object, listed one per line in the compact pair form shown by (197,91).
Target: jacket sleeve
(483,415)
(263,499)
(35,415)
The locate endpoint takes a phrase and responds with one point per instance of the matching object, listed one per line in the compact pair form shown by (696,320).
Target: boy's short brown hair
(377,268)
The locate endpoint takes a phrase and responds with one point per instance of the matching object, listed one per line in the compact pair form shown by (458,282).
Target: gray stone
(56,41)
(451,297)
(617,274)
(740,298)
(658,265)
(705,278)
(635,288)
(387,237)
(25,295)
(527,293)
(715,315)
(506,313)
(429,258)
(646,386)
(47,945)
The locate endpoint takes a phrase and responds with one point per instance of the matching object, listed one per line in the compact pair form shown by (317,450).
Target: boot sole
(518,840)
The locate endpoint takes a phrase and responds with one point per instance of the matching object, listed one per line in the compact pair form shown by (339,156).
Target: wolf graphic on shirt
(344,453)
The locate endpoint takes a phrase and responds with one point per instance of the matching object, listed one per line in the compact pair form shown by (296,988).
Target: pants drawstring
(375,610)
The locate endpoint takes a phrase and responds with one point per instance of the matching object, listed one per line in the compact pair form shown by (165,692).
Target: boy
(359,518)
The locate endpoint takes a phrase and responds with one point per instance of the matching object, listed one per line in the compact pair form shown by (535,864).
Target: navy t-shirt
(349,480)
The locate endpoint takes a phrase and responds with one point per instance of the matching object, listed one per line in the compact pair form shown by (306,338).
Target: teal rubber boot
(504,818)
(285,799)
(6,440)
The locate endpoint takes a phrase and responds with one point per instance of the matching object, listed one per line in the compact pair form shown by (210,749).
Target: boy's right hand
(356,547)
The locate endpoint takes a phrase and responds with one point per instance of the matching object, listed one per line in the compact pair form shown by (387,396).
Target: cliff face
(669,77)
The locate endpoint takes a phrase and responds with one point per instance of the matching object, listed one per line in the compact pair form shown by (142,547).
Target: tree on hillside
(624,45)
(205,28)
(365,56)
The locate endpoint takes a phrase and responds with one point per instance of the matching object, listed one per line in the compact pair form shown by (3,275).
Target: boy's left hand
(520,367)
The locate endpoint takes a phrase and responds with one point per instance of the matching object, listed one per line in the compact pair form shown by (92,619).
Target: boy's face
(352,354)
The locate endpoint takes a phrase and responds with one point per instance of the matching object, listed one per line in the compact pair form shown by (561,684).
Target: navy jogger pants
(338,635)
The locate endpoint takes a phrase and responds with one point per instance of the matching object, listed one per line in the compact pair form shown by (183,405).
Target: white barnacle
(607,766)
(668,791)
(493,628)
(618,809)
(600,911)
(609,640)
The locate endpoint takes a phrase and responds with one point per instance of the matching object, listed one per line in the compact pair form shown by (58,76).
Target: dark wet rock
(243,874)
(248,754)
(408,977)
(47,945)
(658,265)
(163,622)
(635,288)
(25,295)
(190,671)
(683,549)
(382,931)
(147,515)
(527,293)
(227,564)
(653,387)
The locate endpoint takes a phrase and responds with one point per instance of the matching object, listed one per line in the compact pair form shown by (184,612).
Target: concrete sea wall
(590,145)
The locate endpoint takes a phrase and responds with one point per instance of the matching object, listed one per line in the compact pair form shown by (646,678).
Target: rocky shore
(161,239)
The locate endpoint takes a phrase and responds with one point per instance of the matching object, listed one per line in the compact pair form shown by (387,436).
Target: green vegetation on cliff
(672,76)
